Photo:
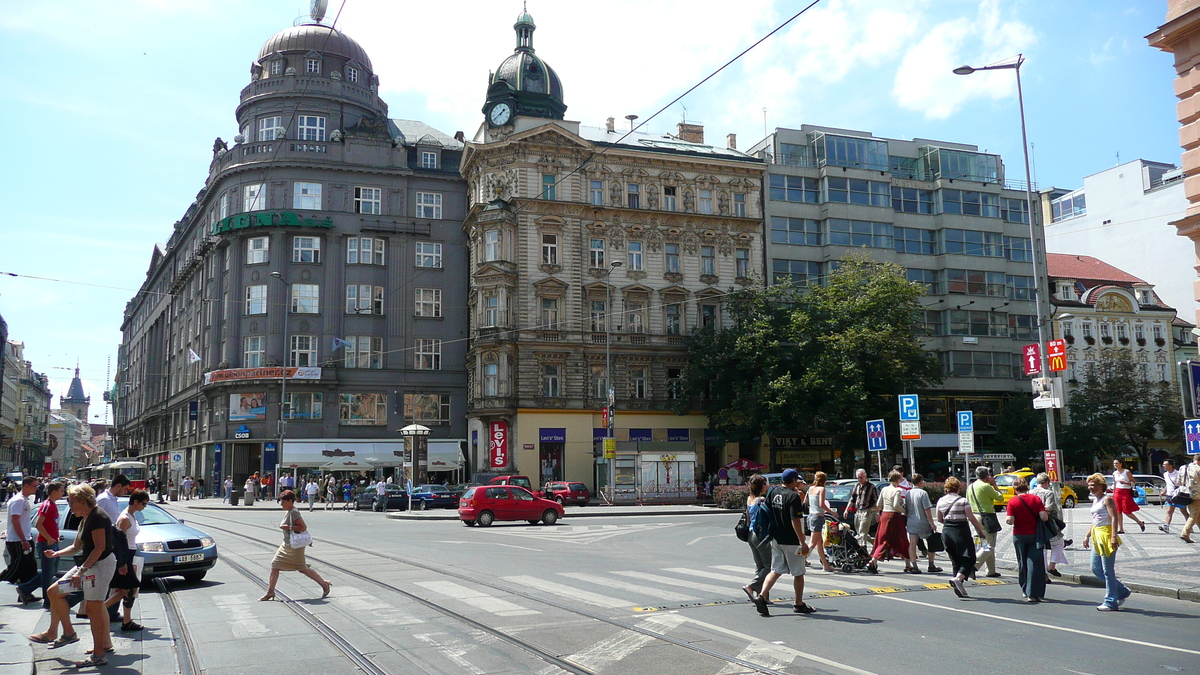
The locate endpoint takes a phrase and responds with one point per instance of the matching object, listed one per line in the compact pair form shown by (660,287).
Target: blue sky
(110,109)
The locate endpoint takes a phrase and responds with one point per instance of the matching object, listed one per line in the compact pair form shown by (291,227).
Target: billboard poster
(249,406)
(498,444)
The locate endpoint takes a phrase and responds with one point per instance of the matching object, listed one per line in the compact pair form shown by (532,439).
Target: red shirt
(48,510)
(1024,509)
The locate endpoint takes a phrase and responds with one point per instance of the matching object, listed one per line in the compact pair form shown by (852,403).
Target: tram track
(540,652)
(185,646)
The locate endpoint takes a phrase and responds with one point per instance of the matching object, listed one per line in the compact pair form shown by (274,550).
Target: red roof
(1086,268)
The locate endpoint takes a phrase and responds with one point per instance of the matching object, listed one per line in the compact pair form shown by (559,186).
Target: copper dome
(315,37)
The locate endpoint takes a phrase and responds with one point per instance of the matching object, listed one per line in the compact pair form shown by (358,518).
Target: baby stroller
(842,547)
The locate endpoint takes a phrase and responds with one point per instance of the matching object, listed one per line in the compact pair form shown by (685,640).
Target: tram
(133,470)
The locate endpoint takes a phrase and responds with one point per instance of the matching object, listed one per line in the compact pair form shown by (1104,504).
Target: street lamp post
(612,399)
(1041,280)
(287,310)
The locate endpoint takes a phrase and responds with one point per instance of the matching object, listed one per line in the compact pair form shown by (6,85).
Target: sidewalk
(594,511)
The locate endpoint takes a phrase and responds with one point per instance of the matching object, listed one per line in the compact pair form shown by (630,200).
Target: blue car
(433,496)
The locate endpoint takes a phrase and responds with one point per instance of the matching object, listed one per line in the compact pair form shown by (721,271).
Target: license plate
(191,557)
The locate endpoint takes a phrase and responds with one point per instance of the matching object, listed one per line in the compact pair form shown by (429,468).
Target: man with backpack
(788,547)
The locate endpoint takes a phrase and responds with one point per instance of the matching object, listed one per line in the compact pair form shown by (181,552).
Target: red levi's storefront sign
(498,444)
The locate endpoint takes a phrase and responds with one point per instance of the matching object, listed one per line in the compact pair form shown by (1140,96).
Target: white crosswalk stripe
(626,586)
(569,592)
(622,644)
(705,574)
(476,599)
(683,583)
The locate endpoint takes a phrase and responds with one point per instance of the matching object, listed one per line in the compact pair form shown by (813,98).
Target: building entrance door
(551,456)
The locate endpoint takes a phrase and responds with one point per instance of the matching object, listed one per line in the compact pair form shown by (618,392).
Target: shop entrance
(551,461)
(244,461)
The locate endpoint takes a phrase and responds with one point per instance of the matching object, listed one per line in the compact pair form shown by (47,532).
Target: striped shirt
(952,508)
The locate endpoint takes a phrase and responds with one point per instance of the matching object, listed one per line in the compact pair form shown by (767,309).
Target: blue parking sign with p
(910,411)
(966,421)
(876,436)
(1191,434)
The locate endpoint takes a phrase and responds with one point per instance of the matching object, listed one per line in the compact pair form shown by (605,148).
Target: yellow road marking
(831,594)
(886,589)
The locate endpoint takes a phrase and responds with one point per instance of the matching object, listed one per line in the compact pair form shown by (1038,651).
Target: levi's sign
(267,219)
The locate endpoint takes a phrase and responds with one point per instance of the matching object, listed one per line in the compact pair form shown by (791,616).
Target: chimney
(731,141)
(692,133)
(610,124)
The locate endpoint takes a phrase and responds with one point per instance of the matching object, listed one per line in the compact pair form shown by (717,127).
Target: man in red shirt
(45,521)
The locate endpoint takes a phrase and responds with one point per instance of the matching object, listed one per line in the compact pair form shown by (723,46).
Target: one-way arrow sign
(1191,433)
(1031,359)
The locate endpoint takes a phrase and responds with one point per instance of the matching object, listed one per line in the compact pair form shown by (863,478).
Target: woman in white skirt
(1053,504)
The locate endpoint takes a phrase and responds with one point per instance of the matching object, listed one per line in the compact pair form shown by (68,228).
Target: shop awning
(743,464)
(311,452)
(445,454)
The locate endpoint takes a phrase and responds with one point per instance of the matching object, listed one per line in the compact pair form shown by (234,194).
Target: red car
(486,504)
(522,481)
(567,493)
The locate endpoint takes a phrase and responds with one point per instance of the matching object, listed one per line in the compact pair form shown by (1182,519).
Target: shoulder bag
(301,539)
(991,524)
(1045,531)
(742,529)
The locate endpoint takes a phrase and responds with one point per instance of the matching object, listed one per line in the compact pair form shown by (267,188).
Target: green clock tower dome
(524,84)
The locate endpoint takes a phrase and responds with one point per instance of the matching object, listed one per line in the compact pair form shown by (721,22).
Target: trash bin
(174,495)
(249,500)
(233,498)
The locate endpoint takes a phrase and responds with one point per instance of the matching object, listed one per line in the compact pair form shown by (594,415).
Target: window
(363,409)
(256,250)
(706,201)
(428,254)
(303,351)
(351,74)
(1087,329)
(428,160)
(912,200)
(972,242)
(1022,326)
(224,206)
(306,249)
(976,282)
(1139,332)
(671,253)
(795,272)
(491,310)
(596,253)
(853,152)
(674,383)
(270,128)
(637,383)
(549,249)
(365,251)
(978,364)
(1162,372)
(637,317)
(491,245)
(928,278)
(364,351)
(307,196)
(599,382)
(364,299)
(550,381)
(673,313)
(970,203)
(1014,210)
(1121,332)
(368,200)
(635,256)
(253,351)
(669,201)
(913,240)
(254,197)
(798,231)
(256,299)
(857,191)
(1069,205)
(427,408)
(741,258)
(311,128)
(303,405)
(1018,249)
(428,302)
(708,316)
(739,205)
(596,192)
(1068,329)
(491,379)
(277,67)
(794,189)
(964,322)
(860,233)
(306,299)
(312,66)
(708,261)
(427,354)
(548,185)
(1020,287)
(933,322)
(633,195)
(1157,331)
(597,316)
(429,205)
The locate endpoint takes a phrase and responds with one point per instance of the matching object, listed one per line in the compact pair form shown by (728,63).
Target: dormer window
(277,67)
(312,66)
(428,160)
(352,73)
(1066,291)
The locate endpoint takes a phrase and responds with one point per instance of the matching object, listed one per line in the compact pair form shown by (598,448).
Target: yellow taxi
(1004,485)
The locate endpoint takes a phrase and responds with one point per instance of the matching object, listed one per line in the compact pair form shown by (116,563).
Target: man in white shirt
(310,491)
(381,495)
(1171,476)
(19,537)
(107,500)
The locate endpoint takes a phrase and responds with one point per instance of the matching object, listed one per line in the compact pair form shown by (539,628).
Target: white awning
(444,454)
(318,452)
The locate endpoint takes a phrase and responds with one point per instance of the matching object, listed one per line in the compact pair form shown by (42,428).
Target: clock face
(500,114)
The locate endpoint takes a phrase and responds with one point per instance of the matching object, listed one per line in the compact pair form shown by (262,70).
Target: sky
(110,109)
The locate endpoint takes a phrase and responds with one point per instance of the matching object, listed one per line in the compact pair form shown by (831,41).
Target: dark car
(567,493)
(397,498)
(433,496)
(838,497)
(488,503)
(459,489)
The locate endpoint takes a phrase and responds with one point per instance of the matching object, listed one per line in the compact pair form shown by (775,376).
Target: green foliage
(731,496)
(1117,411)
(1020,430)
(815,358)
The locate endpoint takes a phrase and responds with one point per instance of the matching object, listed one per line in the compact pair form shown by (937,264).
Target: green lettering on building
(268,219)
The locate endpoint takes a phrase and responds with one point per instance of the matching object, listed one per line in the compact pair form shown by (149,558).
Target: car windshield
(1006,480)
(153,515)
(578,487)
(838,492)
(435,489)
(469,493)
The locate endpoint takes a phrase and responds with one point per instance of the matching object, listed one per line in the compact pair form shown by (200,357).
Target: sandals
(93,660)
(131,626)
(41,638)
(107,650)
(328,587)
(65,640)
(268,596)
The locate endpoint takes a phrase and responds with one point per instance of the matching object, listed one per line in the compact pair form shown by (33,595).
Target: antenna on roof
(316,9)
(631,118)
(684,112)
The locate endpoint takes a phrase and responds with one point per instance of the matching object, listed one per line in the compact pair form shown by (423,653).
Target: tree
(822,357)
(1020,431)
(1117,410)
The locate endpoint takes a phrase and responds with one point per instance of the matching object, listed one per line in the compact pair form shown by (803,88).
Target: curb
(16,654)
(1191,594)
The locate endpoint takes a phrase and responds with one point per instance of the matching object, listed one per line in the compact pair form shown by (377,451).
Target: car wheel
(421,505)
(485,519)
(559,500)
(469,523)
(1069,503)
(194,576)
(550,517)
(357,506)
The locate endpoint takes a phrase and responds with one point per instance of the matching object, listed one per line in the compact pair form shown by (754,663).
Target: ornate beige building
(570,226)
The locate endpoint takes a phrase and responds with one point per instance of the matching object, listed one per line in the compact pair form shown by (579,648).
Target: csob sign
(498,444)
(242,432)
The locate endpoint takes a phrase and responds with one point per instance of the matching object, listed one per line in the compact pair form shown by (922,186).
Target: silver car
(166,544)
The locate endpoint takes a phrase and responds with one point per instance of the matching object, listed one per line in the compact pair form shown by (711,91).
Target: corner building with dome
(319,276)
(553,205)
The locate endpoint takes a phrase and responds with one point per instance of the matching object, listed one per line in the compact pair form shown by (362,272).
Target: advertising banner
(498,444)
(274,373)
(249,406)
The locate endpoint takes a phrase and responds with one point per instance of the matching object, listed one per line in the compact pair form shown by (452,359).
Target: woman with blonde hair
(1106,542)
(892,535)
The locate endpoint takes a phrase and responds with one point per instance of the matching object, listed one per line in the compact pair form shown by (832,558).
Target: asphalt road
(621,595)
